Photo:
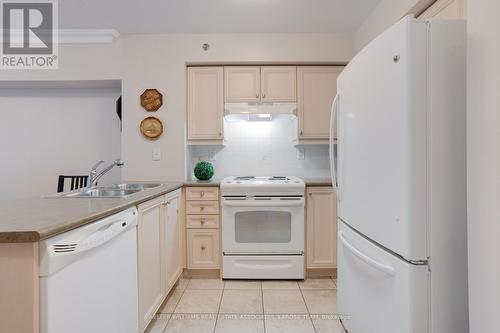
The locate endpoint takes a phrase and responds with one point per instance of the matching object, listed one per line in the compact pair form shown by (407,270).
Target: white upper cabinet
(205,103)
(316,90)
(255,84)
(446,9)
(242,84)
(279,83)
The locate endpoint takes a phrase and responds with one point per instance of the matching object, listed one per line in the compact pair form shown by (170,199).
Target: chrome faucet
(94,176)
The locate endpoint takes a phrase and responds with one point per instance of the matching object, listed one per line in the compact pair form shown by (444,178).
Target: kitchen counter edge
(309,181)
(109,207)
(116,205)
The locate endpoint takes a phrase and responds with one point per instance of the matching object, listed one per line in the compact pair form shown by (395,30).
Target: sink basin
(113,191)
(99,193)
(136,186)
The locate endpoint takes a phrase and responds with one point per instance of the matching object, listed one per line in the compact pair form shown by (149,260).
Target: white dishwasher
(88,278)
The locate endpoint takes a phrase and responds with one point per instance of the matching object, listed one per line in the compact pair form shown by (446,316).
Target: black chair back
(76,182)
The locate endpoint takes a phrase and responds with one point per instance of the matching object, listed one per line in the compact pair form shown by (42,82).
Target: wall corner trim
(87,36)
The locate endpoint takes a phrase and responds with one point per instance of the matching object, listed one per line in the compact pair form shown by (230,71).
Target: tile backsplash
(263,148)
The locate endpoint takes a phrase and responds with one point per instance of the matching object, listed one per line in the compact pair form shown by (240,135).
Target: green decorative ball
(203,170)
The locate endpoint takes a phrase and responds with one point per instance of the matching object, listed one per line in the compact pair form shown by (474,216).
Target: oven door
(263,225)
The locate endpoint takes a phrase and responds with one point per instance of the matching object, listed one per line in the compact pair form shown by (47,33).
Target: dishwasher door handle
(102,236)
(61,250)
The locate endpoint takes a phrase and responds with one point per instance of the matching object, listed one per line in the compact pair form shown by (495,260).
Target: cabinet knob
(203,247)
(300,133)
(202,208)
(202,194)
(202,221)
(220,133)
(256,95)
(263,95)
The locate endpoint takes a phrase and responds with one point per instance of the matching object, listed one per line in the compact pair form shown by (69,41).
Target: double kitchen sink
(113,191)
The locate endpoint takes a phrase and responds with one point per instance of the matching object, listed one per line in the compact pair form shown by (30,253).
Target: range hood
(261,111)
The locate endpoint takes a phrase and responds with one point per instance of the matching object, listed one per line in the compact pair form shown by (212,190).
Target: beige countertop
(196,182)
(310,181)
(31,220)
(317,181)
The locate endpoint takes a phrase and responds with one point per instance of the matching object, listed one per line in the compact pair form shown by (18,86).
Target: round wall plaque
(151,128)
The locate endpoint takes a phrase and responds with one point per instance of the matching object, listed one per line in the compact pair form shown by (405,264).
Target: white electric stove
(263,227)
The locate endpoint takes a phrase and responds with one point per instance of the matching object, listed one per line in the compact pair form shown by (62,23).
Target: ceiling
(215,16)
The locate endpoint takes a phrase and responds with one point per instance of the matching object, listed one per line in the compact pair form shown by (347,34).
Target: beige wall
(158,61)
(54,139)
(483,164)
(383,16)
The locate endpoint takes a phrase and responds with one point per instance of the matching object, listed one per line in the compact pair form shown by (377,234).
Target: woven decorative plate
(151,128)
(151,100)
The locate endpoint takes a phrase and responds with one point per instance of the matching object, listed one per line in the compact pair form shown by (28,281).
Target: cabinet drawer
(202,193)
(202,221)
(203,248)
(202,207)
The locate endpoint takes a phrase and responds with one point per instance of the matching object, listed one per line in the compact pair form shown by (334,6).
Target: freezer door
(377,291)
(382,140)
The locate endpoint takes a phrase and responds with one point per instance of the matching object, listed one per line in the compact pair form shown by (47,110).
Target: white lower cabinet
(321,228)
(203,248)
(173,241)
(150,259)
(202,228)
(159,242)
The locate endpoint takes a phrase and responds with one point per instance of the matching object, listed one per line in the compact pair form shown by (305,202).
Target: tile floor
(235,306)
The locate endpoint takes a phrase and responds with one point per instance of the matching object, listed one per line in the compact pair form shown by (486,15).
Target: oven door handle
(263,203)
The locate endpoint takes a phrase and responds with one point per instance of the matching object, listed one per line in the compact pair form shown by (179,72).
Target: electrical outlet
(301,153)
(156,154)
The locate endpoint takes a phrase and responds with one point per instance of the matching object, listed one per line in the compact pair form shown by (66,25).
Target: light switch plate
(212,156)
(156,154)
(301,153)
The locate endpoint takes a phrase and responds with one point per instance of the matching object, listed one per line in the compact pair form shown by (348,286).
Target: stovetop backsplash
(261,149)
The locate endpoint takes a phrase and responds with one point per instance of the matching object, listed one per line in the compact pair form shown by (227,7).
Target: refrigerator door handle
(332,150)
(368,260)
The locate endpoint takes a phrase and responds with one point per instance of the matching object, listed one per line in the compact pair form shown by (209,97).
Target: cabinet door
(203,248)
(241,84)
(279,83)
(150,239)
(205,103)
(321,228)
(446,9)
(316,89)
(173,250)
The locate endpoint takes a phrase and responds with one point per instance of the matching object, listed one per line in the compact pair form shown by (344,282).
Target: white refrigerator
(399,169)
